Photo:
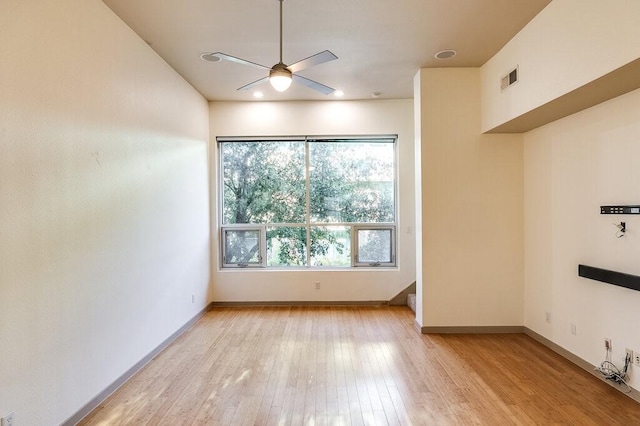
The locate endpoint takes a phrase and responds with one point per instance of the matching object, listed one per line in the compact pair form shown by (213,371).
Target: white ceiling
(380,44)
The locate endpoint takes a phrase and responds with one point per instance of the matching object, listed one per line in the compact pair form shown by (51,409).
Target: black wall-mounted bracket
(611,277)
(619,209)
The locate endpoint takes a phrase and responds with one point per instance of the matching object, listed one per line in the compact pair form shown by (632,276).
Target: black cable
(613,373)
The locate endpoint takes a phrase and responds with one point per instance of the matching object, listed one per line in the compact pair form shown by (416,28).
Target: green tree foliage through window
(351,182)
(266,182)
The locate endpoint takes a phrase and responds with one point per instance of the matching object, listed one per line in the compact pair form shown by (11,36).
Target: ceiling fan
(281,75)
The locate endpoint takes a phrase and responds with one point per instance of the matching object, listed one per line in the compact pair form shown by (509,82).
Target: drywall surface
(472,217)
(572,167)
(104,201)
(568,44)
(320,118)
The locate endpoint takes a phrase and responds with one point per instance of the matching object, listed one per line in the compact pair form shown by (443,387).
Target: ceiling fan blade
(317,59)
(253,84)
(237,60)
(326,90)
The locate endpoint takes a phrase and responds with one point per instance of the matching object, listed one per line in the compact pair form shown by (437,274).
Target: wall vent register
(509,79)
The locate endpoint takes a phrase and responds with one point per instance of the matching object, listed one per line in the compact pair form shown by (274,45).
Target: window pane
(287,246)
(351,182)
(330,246)
(374,246)
(241,246)
(263,182)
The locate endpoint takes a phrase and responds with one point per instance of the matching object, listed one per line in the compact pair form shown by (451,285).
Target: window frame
(261,246)
(356,245)
(354,227)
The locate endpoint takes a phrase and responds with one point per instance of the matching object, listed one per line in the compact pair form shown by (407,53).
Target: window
(376,246)
(308,202)
(242,247)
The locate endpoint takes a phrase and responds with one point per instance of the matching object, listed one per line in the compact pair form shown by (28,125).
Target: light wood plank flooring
(356,366)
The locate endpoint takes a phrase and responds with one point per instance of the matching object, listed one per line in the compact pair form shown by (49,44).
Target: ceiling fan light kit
(281,75)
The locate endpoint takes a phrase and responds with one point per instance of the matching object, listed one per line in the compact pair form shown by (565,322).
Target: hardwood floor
(355,366)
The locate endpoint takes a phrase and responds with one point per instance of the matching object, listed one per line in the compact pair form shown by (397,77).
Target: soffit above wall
(618,82)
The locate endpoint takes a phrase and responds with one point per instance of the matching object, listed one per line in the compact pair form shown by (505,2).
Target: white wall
(104,204)
(572,167)
(567,45)
(472,218)
(320,118)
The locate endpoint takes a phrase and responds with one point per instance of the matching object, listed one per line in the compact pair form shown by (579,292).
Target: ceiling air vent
(509,79)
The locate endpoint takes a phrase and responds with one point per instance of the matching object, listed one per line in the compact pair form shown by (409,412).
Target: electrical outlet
(607,344)
(9,419)
(628,354)
(573,329)
(317,285)
(547,316)
(636,358)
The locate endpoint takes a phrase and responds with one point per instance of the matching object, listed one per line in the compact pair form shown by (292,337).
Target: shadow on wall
(405,297)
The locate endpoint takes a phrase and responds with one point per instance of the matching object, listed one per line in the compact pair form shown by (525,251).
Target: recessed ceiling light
(210,57)
(338,93)
(445,54)
(258,95)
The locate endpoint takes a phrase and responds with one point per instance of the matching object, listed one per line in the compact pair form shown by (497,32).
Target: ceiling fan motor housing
(279,69)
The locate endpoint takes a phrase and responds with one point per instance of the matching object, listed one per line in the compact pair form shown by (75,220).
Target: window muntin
(309,200)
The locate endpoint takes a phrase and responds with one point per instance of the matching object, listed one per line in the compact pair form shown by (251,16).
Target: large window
(308,202)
